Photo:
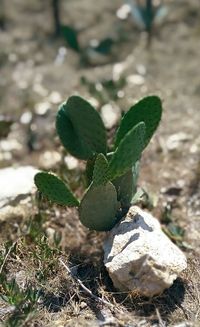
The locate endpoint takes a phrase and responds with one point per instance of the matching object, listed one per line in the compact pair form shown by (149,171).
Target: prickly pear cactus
(126,185)
(83,134)
(80,128)
(128,151)
(54,189)
(89,170)
(147,110)
(124,188)
(100,170)
(98,207)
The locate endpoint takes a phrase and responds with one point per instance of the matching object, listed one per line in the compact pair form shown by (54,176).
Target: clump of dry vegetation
(45,283)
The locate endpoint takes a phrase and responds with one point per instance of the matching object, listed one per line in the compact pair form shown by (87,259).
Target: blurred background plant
(2,15)
(146,14)
(56,16)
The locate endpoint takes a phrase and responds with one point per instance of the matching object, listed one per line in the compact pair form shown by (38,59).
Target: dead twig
(161,322)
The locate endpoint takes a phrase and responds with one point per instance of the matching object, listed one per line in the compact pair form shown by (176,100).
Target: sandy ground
(38,72)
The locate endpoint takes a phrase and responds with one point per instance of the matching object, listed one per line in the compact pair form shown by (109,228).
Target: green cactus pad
(69,137)
(80,128)
(54,189)
(148,110)
(135,174)
(128,152)
(98,207)
(100,170)
(126,185)
(89,170)
(125,188)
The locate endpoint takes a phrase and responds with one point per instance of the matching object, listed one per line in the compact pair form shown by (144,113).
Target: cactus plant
(98,207)
(147,13)
(126,185)
(55,190)
(128,151)
(100,172)
(56,16)
(148,110)
(112,176)
(80,128)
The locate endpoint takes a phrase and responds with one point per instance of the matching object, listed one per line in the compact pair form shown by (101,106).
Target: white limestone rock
(16,184)
(139,257)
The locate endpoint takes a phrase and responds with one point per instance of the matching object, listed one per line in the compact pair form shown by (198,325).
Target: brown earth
(32,79)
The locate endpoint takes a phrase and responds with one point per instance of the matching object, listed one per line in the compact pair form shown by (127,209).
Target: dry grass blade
(6,256)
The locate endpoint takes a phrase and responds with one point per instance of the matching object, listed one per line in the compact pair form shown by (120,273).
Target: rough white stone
(110,115)
(139,257)
(16,183)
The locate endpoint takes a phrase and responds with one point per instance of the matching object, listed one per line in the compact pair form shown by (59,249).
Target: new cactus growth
(100,171)
(113,175)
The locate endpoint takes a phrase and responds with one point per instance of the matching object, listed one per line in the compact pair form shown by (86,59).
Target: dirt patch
(33,83)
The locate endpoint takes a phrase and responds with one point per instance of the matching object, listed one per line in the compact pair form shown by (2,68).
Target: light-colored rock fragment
(174,141)
(18,211)
(16,183)
(49,159)
(139,257)
(110,115)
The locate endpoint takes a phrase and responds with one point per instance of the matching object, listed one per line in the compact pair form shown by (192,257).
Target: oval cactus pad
(55,190)
(98,207)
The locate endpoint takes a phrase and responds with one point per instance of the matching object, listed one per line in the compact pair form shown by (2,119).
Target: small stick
(6,256)
(85,289)
(161,322)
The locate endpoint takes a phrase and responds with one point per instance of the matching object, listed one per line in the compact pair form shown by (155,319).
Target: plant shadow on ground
(94,276)
(166,303)
(61,292)
(56,302)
